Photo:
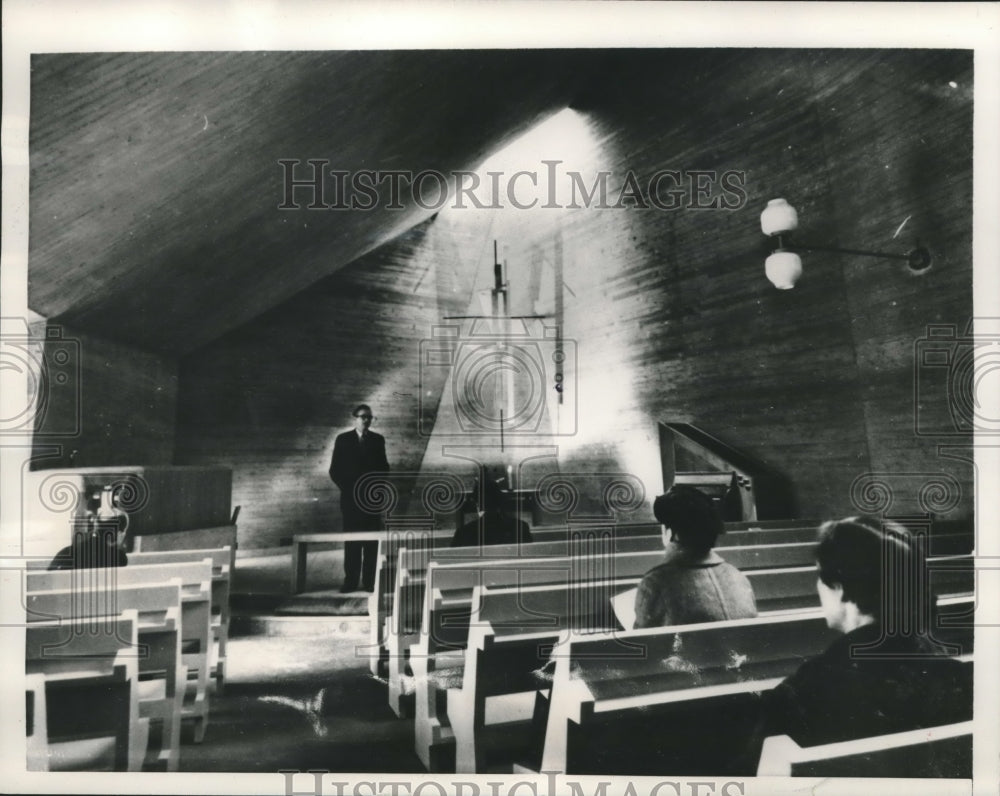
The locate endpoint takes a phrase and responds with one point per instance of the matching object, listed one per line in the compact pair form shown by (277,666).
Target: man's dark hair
(876,563)
(691,517)
(361,408)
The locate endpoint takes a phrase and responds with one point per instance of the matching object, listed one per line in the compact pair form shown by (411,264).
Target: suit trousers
(360,560)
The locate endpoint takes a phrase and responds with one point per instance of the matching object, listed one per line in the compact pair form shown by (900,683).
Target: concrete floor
(301,703)
(299,694)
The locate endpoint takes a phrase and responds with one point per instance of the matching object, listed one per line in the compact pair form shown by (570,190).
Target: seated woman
(492,525)
(693,584)
(91,549)
(885,674)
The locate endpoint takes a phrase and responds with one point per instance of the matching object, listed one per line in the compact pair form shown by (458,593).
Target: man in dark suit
(356,453)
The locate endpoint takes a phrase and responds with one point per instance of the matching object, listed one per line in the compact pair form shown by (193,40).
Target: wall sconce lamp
(784,266)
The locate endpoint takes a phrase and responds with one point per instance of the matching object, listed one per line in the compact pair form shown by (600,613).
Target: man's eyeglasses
(365,417)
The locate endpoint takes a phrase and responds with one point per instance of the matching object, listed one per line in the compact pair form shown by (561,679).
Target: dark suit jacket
(492,528)
(840,695)
(348,464)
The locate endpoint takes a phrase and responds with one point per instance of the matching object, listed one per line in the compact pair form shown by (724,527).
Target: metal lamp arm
(918,258)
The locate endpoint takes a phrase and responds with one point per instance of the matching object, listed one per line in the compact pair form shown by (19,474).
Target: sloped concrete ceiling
(155,177)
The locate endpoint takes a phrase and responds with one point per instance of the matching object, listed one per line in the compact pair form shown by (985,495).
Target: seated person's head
(867,568)
(690,516)
(490,496)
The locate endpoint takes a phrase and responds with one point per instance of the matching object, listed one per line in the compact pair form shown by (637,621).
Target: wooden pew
(418,543)
(630,554)
(537,616)
(193,539)
(162,677)
(204,539)
(196,616)
(413,560)
(456,580)
(944,751)
(92,717)
(463,573)
(621,685)
(221,590)
(507,627)
(438,538)
(556,597)
(614,559)
(406,609)
(398,569)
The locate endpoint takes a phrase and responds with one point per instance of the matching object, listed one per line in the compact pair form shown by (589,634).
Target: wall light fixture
(784,266)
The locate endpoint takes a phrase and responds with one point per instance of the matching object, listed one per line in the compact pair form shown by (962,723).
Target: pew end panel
(222,571)
(92,704)
(162,677)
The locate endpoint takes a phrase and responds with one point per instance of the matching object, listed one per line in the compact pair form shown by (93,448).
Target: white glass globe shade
(783,269)
(778,217)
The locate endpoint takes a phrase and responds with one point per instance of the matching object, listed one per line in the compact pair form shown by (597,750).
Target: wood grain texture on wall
(156,177)
(817,381)
(667,311)
(106,403)
(269,399)
(670,312)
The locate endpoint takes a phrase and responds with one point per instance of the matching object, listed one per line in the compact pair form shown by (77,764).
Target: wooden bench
(447,607)
(193,539)
(609,692)
(439,538)
(507,627)
(629,555)
(397,569)
(463,573)
(400,614)
(92,717)
(611,560)
(406,612)
(204,539)
(421,547)
(222,574)
(944,751)
(162,677)
(196,615)
(447,603)
(302,542)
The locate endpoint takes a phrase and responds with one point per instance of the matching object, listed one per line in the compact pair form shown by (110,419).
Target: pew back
(92,706)
(944,751)
(222,571)
(193,539)
(196,615)
(162,675)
